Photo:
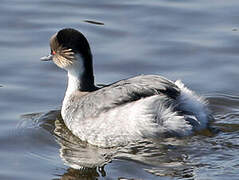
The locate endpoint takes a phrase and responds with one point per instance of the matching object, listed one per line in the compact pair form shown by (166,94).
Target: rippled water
(195,41)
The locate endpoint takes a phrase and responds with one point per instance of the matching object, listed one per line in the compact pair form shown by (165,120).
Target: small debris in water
(94,22)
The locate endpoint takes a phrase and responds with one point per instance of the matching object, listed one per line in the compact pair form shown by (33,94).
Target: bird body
(145,106)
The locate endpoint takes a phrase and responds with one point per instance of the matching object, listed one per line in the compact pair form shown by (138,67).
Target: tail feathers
(193,106)
(193,121)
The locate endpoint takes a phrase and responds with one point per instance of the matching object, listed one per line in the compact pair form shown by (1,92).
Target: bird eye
(53,52)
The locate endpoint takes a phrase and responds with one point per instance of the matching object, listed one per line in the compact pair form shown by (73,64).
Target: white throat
(74,75)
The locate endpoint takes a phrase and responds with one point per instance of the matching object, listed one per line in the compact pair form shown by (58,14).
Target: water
(195,41)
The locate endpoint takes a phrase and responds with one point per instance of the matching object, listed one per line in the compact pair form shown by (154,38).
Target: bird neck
(80,77)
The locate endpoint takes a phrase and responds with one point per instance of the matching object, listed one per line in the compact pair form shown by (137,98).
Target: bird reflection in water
(162,157)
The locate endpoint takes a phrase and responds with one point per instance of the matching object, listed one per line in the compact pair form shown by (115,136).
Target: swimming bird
(144,106)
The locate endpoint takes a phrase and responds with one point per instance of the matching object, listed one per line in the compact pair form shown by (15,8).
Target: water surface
(195,41)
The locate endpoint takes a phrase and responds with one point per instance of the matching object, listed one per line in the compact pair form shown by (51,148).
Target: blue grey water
(195,41)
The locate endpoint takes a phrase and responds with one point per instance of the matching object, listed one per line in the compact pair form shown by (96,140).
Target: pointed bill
(46,58)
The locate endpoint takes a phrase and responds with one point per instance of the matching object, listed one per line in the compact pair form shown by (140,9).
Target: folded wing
(121,93)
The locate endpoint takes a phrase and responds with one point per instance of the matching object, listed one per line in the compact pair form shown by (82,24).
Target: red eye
(53,52)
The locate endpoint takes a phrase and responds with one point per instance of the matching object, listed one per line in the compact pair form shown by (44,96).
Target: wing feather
(120,93)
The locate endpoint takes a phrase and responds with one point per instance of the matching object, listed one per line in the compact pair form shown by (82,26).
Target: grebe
(145,106)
